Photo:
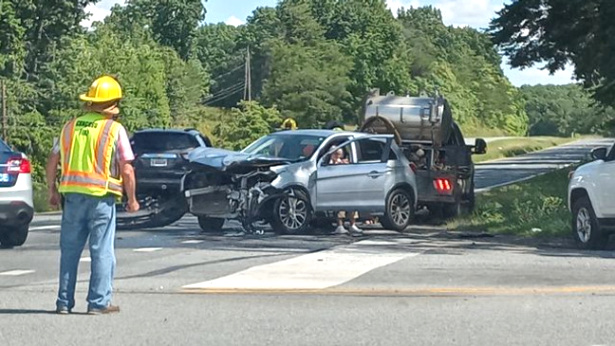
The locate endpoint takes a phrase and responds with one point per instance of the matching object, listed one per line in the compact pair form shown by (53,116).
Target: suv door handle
(375,174)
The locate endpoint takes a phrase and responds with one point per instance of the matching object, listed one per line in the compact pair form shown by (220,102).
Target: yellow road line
(434,291)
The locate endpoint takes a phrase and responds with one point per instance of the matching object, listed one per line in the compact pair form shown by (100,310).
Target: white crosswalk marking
(40,228)
(148,249)
(318,270)
(192,241)
(16,272)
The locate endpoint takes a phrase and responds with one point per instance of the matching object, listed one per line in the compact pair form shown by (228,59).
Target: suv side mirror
(599,153)
(480,146)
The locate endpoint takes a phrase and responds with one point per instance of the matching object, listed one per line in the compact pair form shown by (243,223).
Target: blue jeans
(85,216)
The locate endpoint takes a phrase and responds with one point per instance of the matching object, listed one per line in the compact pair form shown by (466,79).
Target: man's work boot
(108,310)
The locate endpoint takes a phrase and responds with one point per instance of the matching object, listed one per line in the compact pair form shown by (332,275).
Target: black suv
(161,160)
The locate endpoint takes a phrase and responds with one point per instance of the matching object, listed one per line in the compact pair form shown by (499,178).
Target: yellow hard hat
(289,123)
(103,89)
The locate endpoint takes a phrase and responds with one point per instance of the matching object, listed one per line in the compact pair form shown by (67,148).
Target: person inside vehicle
(276,148)
(337,158)
(308,150)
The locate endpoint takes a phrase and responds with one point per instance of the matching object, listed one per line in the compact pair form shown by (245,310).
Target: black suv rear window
(163,141)
(4,147)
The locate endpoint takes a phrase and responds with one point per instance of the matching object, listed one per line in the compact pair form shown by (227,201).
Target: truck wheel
(452,210)
(211,224)
(292,214)
(470,203)
(585,229)
(14,236)
(399,210)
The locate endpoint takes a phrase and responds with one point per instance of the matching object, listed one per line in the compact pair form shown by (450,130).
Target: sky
(474,13)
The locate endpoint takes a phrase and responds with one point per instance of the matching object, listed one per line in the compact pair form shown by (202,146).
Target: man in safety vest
(95,157)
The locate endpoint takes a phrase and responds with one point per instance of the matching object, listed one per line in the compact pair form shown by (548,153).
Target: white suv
(16,207)
(591,199)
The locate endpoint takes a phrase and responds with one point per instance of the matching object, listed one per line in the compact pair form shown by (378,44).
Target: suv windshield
(163,141)
(288,146)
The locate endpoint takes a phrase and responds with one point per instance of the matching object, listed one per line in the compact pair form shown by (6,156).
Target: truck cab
(433,142)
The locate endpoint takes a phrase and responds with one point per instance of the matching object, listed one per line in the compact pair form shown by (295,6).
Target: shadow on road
(33,312)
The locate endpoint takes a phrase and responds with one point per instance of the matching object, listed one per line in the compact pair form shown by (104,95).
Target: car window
(342,155)
(287,146)
(4,147)
(611,155)
(333,143)
(206,140)
(370,150)
(392,155)
(163,141)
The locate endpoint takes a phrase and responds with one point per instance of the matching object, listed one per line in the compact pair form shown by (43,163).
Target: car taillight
(413,167)
(442,185)
(18,165)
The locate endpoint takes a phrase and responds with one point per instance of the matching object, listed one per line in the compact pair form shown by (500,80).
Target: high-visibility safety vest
(88,147)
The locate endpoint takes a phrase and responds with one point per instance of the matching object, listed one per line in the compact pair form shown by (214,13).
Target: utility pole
(4,115)
(247,90)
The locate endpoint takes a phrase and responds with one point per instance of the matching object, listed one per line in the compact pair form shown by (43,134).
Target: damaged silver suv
(288,180)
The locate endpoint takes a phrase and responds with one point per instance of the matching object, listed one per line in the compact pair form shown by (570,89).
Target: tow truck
(433,142)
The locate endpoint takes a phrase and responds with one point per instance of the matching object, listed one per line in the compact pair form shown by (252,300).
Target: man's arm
(126,156)
(51,174)
(128,176)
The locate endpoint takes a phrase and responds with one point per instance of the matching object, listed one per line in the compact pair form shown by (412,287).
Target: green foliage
(563,110)
(536,207)
(463,65)
(308,83)
(312,60)
(216,49)
(243,125)
(558,32)
(517,146)
(172,23)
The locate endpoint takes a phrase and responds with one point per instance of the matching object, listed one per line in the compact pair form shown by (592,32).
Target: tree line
(313,60)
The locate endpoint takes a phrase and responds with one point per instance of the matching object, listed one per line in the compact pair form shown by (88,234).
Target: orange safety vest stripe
(99,179)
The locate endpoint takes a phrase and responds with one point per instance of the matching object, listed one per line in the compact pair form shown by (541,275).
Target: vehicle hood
(228,160)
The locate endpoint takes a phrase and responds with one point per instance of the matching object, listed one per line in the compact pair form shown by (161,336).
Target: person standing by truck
(95,157)
(337,158)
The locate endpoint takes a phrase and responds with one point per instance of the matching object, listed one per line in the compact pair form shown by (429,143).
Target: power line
(222,97)
(220,92)
(229,72)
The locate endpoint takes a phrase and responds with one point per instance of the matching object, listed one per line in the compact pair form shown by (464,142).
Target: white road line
(40,228)
(318,270)
(192,241)
(147,249)
(85,259)
(16,272)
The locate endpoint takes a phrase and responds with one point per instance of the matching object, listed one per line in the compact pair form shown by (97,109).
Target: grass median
(535,207)
(511,147)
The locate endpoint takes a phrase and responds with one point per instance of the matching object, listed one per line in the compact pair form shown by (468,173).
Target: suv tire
(399,211)
(14,236)
(292,214)
(585,228)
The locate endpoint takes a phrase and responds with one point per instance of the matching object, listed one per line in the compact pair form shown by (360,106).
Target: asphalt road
(504,171)
(426,286)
